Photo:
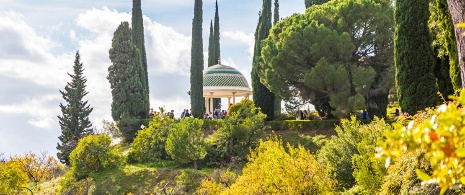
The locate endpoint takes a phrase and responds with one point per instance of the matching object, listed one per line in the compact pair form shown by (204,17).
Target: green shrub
(128,127)
(149,145)
(350,155)
(92,154)
(188,181)
(239,133)
(275,169)
(185,141)
(302,125)
(12,178)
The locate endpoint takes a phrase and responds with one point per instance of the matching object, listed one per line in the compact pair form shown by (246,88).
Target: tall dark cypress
(277,100)
(216,35)
(139,42)
(262,97)
(74,121)
(196,92)
(211,47)
(217,50)
(124,76)
(414,57)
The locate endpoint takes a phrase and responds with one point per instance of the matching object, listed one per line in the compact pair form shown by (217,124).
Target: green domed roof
(223,76)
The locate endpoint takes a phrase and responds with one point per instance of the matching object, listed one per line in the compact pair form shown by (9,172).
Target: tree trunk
(457,12)
(195,164)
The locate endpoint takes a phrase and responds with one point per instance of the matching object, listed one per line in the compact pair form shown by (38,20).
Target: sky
(39,40)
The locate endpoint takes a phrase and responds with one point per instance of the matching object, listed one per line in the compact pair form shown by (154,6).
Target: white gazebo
(221,81)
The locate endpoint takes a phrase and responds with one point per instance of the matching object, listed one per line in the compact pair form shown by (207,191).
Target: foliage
(185,142)
(135,179)
(128,127)
(211,47)
(414,92)
(74,121)
(441,26)
(262,96)
(92,154)
(369,171)
(139,42)
(187,181)
(441,140)
(240,132)
(309,3)
(196,78)
(12,178)
(125,76)
(274,169)
(349,155)
(149,145)
(209,187)
(37,167)
(310,143)
(319,126)
(335,55)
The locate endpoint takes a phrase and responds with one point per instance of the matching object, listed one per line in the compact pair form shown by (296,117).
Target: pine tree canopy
(74,121)
(313,55)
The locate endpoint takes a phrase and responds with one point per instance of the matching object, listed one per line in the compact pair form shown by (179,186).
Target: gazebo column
(229,102)
(211,102)
(234,97)
(206,105)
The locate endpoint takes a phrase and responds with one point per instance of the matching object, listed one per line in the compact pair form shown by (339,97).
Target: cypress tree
(74,121)
(211,47)
(414,57)
(216,43)
(277,100)
(262,96)
(124,75)
(139,42)
(196,92)
(216,35)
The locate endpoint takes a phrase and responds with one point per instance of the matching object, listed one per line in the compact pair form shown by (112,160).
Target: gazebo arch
(221,81)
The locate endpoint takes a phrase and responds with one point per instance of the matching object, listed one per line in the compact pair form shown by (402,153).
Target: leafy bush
(149,145)
(441,139)
(349,156)
(239,133)
(274,169)
(12,178)
(185,141)
(209,187)
(37,167)
(93,153)
(128,127)
(187,181)
(302,125)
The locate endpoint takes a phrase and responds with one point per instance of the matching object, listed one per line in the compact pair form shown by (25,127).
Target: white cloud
(242,37)
(167,50)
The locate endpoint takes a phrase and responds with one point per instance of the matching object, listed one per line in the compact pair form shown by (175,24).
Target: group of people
(217,114)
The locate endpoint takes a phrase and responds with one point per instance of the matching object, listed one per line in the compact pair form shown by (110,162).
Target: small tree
(185,141)
(93,153)
(37,167)
(239,133)
(74,121)
(149,145)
